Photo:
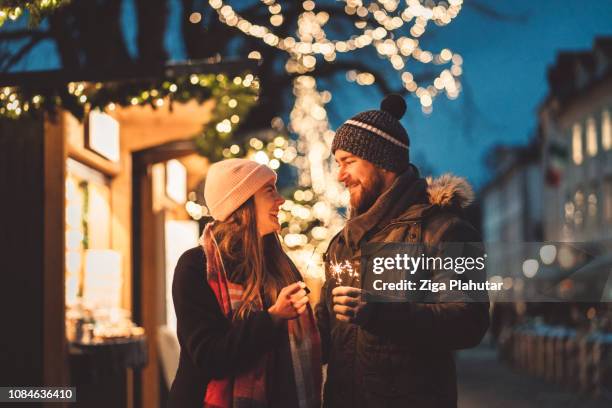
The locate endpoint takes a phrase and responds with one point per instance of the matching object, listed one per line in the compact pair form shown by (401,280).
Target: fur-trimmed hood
(449,190)
(409,199)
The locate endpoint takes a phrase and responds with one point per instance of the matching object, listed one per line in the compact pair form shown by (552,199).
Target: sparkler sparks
(340,270)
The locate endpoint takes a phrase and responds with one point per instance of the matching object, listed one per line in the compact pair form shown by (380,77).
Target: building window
(591,137)
(577,144)
(606,132)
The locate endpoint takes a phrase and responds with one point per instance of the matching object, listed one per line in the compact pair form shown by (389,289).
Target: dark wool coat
(212,346)
(402,355)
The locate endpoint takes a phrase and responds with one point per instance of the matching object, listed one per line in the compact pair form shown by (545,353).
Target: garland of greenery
(37,9)
(233,100)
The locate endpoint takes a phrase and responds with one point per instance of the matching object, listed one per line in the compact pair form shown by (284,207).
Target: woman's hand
(290,303)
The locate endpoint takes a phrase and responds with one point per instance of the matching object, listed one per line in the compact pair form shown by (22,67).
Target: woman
(246,330)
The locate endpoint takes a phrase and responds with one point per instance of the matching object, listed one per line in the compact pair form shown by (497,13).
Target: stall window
(92,269)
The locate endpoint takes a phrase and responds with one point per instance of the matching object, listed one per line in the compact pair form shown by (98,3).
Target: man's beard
(371,189)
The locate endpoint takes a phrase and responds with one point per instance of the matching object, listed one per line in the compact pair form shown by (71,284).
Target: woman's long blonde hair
(258,263)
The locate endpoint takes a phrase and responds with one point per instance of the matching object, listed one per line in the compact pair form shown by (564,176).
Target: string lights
(314,216)
(234,98)
(13,9)
(380,25)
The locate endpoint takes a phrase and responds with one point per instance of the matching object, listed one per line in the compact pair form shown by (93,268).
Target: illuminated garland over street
(380,23)
(38,9)
(234,98)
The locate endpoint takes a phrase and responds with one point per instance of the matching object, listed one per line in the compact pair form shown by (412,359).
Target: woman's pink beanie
(229,183)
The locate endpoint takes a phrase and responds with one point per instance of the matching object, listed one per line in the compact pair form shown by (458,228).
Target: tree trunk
(152,19)
(206,38)
(88,34)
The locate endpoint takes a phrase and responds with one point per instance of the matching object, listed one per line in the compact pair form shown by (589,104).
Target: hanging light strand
(312,42)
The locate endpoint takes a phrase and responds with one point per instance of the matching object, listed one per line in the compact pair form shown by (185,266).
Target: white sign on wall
(103,135)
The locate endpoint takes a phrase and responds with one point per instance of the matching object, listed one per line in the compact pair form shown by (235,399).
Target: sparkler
(340,270)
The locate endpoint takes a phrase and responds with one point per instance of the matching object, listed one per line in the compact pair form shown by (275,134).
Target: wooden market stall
(86,201)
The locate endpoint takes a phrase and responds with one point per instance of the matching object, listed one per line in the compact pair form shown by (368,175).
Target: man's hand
(349,305)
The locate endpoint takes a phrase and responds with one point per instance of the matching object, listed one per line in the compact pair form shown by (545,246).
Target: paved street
(485,382)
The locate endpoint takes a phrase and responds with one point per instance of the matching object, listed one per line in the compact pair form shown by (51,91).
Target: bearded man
(393,354)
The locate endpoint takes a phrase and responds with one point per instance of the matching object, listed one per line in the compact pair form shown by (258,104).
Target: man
(393,354)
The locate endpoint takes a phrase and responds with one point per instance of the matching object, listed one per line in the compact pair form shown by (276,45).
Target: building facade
(512,207)
(577,148)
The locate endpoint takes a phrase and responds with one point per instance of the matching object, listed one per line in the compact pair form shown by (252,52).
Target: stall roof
(33,79)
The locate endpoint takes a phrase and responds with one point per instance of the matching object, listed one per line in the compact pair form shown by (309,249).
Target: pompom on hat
(230,183)
(377,135)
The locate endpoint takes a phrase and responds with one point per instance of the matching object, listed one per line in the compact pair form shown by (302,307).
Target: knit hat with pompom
(377,135)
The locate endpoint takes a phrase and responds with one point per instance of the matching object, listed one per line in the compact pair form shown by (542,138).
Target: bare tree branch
(18,56)
(327,70)
(490,12)
(333,10)
(20,34)
(380,79)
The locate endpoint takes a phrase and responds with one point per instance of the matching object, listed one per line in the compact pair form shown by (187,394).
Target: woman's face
(267,203)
